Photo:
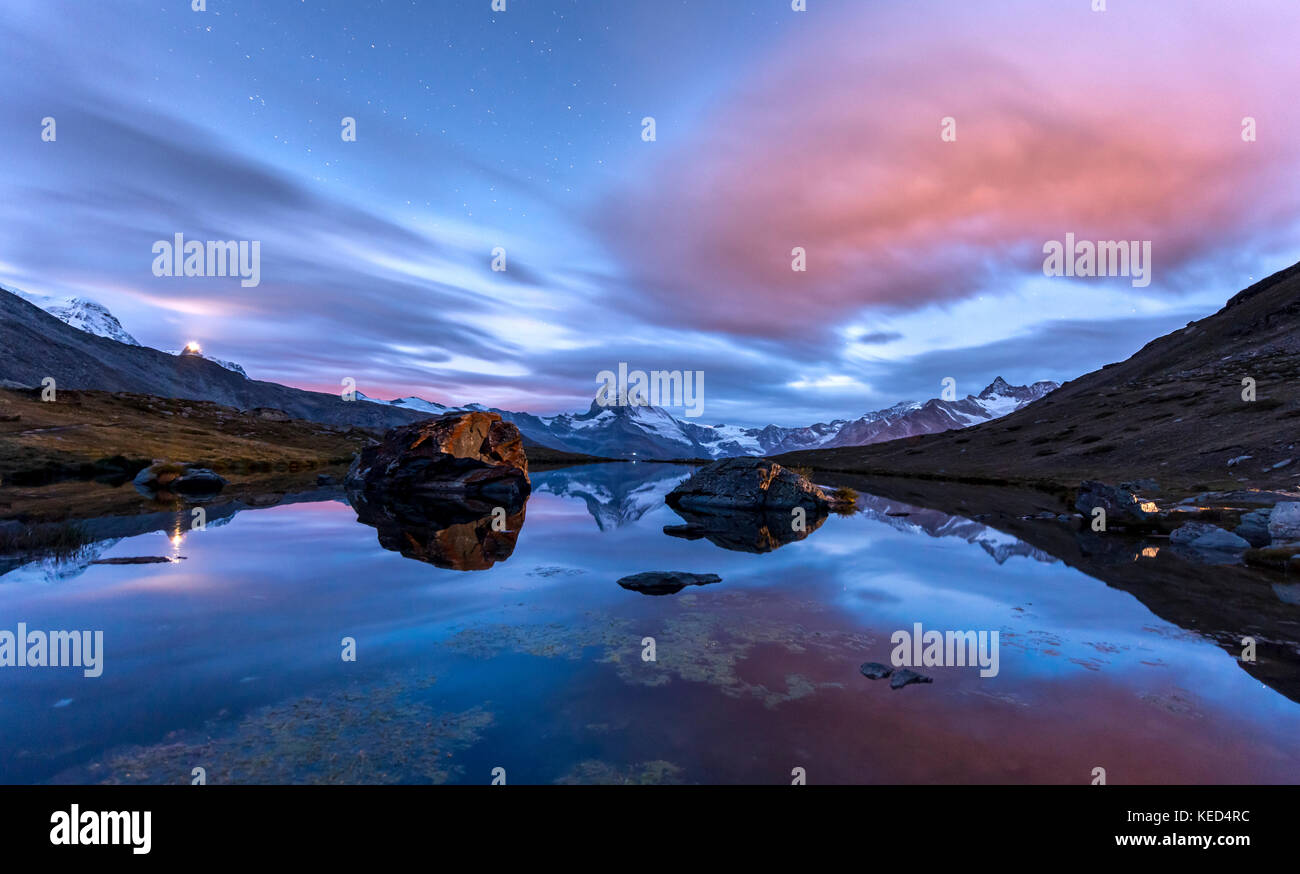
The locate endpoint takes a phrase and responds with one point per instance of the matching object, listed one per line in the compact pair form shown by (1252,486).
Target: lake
(231,660)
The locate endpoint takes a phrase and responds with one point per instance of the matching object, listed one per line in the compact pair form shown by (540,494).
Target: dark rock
(748,484)
(454,456)
(198,480)
(666,582)
(163,477)
(1253,528)
(138,559)
(324,479)
(1141,485)
(906,677)
(1120,504)
(1284,522)
(875,671)
(1204,536)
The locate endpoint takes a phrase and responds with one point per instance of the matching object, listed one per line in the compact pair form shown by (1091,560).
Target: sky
(522,130)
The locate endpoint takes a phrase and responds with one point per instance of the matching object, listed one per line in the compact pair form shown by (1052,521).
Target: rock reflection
(465,535)
(743,530)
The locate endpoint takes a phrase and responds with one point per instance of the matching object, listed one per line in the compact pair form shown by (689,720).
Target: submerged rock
(748,484)
(1120,504)
(456,455)
(907,677)
(666,582)
(875,671)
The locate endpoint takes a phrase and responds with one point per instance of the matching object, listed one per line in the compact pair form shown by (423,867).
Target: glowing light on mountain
(194,348)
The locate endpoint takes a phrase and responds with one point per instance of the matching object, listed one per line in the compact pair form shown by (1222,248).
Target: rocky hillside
(1173,413)
(35,344)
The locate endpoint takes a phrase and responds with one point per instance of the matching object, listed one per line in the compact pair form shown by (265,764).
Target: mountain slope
(1173,412)
(81,313)
(35,345)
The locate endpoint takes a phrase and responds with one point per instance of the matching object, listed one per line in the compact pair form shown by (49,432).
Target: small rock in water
(137,559)
(875,671)
(1119,504)
(666,582)
(324,479)
(906,677)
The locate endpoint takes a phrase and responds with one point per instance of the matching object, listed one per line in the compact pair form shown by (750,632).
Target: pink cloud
(1117,125)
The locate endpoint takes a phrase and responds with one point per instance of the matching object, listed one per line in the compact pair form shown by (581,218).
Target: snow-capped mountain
(94,318)
(81,313)
(412,403)
(229,365)
(654,433)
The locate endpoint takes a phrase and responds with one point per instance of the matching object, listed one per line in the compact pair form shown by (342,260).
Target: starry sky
(775,129)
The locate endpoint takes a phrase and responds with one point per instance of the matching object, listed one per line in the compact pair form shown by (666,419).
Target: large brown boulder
(747,484)
(454,456)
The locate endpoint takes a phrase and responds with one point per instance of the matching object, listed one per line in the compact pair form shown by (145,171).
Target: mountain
(77,359)
(229,365)
(81,313)
(429,408)
(94,318)
(654,433)
(35,345)
(1179,411)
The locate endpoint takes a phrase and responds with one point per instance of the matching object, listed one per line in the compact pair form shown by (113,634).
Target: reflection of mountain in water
(912,520)
(615,494)
(105,532)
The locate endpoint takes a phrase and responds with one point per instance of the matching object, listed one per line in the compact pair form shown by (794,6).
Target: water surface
(230,659)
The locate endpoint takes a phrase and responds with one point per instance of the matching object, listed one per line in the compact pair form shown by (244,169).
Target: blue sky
(522,129)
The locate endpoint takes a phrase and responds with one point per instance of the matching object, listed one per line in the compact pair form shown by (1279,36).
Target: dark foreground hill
(34,345)
(1173,413)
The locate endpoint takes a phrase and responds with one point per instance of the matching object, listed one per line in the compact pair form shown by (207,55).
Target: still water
(230,660)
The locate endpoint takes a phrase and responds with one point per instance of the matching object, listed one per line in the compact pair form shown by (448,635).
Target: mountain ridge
(1215,404)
